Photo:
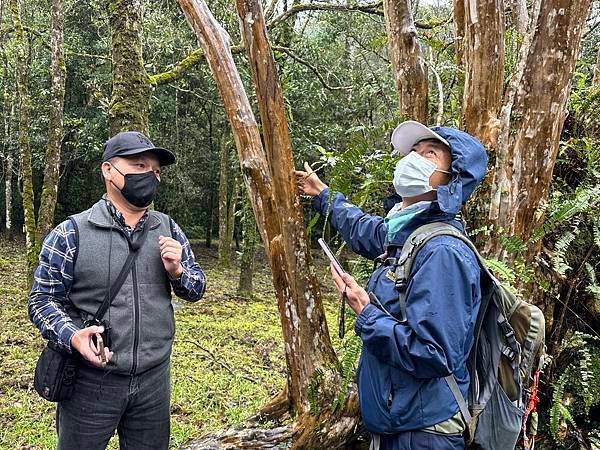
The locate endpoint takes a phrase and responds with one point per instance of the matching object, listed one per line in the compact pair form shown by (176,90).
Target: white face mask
(412,173)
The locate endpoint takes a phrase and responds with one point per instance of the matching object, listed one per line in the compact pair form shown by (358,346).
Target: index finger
(339,283)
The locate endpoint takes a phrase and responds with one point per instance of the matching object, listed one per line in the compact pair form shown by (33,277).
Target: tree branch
(220,362)
(370,8)
(297,58)
(179,69)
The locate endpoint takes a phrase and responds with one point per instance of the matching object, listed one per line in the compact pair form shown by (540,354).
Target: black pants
(138,407)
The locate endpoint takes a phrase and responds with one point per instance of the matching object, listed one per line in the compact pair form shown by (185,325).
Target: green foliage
(348,359)
(577,388)
(316,379)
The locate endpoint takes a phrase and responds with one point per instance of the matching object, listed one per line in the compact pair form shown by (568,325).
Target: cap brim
(408,133)
(165,157)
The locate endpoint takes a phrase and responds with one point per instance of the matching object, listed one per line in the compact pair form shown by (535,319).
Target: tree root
(326,429)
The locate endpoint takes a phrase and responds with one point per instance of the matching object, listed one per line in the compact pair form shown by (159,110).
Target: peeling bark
(458,7)
(268,173)
(484,69)
(130,101)
(520,16)
(55,123)
(303,318)
(410,71)
(532,121)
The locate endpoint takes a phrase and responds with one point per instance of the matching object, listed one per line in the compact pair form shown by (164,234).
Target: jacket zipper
(136,320)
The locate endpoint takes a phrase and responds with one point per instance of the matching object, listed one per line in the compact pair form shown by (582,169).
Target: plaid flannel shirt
(53,279)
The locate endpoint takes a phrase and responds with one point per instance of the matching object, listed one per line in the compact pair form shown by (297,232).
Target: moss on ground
(227,360)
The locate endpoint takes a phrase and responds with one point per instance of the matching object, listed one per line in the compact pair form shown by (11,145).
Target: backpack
(506,357)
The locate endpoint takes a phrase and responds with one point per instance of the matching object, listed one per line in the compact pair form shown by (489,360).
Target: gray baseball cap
(410,133)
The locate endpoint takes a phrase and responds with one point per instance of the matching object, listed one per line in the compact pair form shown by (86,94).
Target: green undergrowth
(227,360)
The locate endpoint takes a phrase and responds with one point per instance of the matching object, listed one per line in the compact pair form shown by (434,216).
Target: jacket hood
(469,164)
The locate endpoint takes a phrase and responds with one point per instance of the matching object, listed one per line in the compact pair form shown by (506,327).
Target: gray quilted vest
(141,315)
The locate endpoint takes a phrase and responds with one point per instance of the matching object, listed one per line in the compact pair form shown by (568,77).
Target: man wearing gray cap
(415,341)
(105,277)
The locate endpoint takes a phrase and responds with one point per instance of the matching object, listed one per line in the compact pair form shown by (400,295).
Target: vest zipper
(136,320)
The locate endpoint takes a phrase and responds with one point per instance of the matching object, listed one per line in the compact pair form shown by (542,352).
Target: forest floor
(227,358)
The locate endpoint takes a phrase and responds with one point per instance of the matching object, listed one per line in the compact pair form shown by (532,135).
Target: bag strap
(460,399)
(134,247)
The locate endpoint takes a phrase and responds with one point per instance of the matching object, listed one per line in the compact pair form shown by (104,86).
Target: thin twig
(302,61)
(221,363)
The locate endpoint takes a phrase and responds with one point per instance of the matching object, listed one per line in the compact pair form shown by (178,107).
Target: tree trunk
(249,244)
(224,249)
(520,16)
(24,149)
(532,121)
(231,213)
(308,341)
(458,7)
(410,72)
(484,69)
(55,123)
(8,167)
(272,191)
(596,81)
(130,100)
(210,218)
(8,110)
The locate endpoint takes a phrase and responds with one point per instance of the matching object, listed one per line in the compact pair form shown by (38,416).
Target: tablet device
(336,264)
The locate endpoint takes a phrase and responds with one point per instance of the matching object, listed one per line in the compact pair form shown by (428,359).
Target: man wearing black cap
(128,387)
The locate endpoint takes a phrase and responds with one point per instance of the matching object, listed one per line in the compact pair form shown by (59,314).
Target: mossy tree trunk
(268,172)
(130,101)
(36,229)
(410,71)
(8,109)
(55,123)
(23,138)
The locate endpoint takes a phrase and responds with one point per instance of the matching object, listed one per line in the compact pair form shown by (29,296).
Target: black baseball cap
(127,143)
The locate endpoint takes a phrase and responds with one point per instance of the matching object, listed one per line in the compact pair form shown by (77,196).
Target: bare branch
(370,8)
(221,363)
(302,61)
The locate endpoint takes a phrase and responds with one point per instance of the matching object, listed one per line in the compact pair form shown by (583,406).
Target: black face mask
(139,188)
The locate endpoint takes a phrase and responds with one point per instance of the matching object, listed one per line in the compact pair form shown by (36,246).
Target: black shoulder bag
(56,370)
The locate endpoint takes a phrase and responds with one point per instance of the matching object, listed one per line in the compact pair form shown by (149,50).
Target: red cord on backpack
(529,442)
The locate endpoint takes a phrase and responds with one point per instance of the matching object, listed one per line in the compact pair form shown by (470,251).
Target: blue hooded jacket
(402,367)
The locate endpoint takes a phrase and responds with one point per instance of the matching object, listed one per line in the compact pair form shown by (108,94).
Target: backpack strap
(411,247)
(462,403)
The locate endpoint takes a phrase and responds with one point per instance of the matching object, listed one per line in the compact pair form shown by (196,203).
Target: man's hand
(308,181)
(82,342)
(170,252)
(357,296)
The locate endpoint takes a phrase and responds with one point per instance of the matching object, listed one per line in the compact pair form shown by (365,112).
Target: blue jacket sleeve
(442,301)
(364,234)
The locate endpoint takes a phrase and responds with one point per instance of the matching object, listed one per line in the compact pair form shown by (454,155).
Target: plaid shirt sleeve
(52,282)
(192,282)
